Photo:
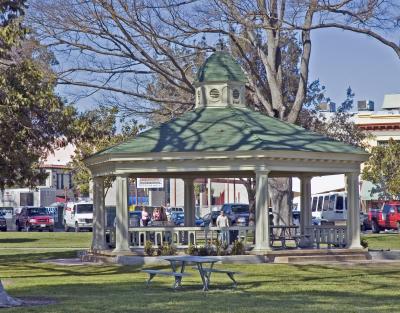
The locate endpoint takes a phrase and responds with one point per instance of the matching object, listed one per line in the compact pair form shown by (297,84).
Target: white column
(189,201)
(98,239)
(305,207)
(209,193)
(305,203)
(353,211)
(262,220)
(121,230)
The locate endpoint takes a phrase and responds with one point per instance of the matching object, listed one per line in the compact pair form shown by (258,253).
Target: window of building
(60,181)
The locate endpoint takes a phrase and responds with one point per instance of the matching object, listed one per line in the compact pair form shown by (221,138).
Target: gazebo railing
(326,234)
(182,236)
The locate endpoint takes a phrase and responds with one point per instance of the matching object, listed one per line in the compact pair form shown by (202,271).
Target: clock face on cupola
(220,82)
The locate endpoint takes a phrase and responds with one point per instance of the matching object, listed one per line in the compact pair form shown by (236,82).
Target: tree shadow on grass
(17,240)
(135,297)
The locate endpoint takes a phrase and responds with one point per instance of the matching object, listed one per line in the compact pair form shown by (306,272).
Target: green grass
(262,287)
(45,240)
(383,241)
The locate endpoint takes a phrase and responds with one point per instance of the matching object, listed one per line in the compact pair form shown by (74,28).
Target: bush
(364,243)
(237,248)
(203,251)
(218,248)
(192,250)
(148,248)
(166,249)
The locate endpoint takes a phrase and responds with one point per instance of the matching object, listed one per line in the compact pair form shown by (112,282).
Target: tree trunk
(280,192)
(5,300)
(249,183)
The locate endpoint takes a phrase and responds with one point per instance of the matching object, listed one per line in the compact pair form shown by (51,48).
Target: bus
(330,206)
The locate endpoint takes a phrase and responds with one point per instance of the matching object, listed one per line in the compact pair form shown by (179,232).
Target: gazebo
(221,137)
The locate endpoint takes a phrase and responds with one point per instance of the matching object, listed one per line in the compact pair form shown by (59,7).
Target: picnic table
(178,264)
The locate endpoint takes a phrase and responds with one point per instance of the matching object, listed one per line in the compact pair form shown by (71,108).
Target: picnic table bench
(178,276)
(207,273)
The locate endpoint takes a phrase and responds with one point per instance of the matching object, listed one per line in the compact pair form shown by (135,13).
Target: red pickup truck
(32,218)
(386,218)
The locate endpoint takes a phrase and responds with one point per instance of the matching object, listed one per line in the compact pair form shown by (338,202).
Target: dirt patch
(33,301)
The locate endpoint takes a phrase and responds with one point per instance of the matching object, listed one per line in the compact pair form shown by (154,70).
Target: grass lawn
(262,287)
(45,240)
(383,241)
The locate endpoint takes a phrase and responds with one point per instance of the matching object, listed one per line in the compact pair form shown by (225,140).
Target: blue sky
(341,59)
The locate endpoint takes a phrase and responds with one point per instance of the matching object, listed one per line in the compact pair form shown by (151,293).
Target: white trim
(275,154)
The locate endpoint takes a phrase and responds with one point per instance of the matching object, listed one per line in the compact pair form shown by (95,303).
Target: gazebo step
(322,258)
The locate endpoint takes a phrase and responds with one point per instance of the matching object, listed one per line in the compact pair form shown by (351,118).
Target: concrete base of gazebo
(273,256)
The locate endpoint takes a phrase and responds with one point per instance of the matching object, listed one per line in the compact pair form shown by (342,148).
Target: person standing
(145,217)
(223,225)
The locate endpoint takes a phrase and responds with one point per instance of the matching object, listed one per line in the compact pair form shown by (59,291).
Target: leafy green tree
(100,129)
(33,119)
(383,169)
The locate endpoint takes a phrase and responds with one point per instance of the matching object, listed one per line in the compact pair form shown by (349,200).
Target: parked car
(365,223)
(170,210)
(179,219)
(386,218)
(238,213)
(78,216)
(210,219)
(134,218)
(34,218)
(3,222)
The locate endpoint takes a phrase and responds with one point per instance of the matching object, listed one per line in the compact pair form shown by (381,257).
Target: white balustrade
(182,237)
(326,234)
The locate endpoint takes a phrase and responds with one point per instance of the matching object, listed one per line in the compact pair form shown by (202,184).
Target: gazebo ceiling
(228,129)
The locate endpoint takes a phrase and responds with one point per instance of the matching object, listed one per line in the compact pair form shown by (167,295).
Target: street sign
(150,183)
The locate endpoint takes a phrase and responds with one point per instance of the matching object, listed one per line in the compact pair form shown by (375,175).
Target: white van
(330,206)
(78,215)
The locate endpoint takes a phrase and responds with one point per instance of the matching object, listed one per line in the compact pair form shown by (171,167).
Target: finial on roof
(220,45)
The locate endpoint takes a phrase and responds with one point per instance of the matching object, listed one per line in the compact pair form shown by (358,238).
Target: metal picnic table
(178,264)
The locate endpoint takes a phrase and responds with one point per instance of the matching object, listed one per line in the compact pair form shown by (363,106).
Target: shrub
(203,251)
(364,243)
(220,248)
(148,248)
(166,249)
(192,250)
(237,248)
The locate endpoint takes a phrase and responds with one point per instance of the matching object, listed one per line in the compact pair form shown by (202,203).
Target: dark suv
(238,213)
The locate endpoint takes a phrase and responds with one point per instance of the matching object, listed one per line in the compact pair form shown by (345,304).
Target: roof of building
(391,102)
(228,129)
(220,66)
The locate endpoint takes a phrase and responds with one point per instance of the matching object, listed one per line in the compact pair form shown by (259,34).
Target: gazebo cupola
(220,82)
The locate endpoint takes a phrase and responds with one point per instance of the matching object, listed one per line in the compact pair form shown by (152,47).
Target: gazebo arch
(223,138)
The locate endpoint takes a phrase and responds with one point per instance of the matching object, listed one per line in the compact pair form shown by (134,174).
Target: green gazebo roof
(220,66)
(228,129)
